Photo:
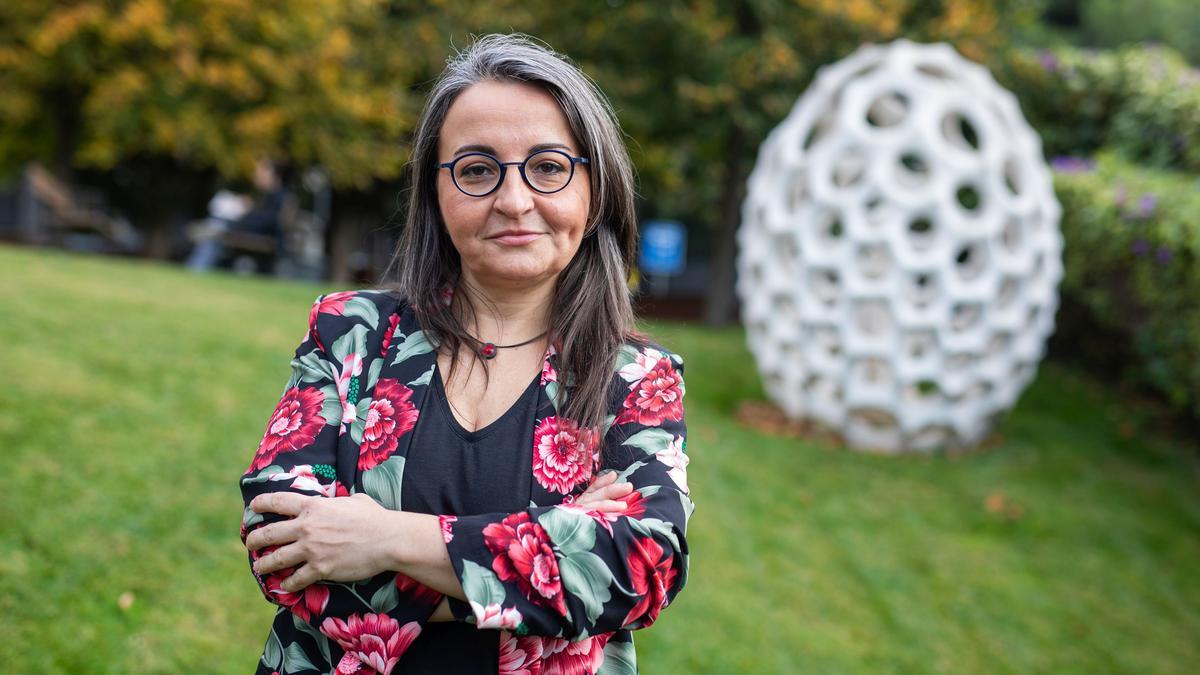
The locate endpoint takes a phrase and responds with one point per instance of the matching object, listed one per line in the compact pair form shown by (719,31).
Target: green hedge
(1142,101)
(1131,291)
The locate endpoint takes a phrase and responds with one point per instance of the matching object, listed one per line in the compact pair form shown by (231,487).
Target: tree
(153,87)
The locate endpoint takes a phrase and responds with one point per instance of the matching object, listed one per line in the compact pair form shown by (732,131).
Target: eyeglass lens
(547,171)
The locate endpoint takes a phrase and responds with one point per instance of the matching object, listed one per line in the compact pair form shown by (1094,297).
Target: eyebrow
(492,151)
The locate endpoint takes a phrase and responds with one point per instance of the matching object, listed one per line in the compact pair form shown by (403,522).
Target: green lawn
(135,394)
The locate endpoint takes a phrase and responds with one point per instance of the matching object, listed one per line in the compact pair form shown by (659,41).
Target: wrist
(405,539)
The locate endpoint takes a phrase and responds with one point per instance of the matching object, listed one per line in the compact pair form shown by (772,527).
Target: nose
(513,197)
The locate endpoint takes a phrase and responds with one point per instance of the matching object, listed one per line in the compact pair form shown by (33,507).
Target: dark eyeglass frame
(504,170)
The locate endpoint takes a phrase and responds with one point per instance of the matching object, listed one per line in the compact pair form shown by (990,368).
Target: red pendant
(488,350)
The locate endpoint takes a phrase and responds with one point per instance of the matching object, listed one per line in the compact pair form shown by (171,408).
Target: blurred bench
(55,213)
(299,254)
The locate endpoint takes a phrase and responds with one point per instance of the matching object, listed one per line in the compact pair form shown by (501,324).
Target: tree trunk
(721,304)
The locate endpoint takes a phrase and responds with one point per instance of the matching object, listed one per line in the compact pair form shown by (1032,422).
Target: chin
(517,274)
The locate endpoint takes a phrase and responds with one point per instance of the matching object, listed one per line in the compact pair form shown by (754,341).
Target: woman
(483,470)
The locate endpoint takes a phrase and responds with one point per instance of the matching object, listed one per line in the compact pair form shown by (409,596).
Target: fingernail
(605,472)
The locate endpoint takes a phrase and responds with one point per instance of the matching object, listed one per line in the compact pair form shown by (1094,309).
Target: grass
(134,395)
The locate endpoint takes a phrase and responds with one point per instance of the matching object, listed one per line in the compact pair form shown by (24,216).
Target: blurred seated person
(231,212)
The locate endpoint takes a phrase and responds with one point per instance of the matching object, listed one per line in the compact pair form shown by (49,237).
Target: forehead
(510,117)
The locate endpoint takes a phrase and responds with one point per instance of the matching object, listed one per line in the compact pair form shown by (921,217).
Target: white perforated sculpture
(899,254)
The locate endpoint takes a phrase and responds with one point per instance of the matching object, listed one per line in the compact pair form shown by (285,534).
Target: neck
(505,314)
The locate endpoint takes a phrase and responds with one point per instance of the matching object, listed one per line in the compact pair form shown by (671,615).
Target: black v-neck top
(450,470)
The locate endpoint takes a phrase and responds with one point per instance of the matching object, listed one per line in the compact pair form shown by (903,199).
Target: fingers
(275,534)
(607,506)
(606,492)
(281,558)
(302,578)
(603,479)
(283,503)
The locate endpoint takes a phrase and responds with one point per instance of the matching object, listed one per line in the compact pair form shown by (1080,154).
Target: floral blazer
(565,585)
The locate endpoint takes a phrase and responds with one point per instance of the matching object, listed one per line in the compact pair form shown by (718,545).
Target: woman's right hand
(605,494)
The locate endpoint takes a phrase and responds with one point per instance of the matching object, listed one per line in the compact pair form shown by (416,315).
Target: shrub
(1132,275)
(1176,23)
(1140,100)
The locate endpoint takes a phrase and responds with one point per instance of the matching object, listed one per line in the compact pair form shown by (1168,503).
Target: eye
(476,169)
(548,167)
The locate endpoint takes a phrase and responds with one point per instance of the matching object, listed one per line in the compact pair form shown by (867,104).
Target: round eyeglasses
(479,174)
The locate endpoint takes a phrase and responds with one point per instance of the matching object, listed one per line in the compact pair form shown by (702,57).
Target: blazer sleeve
(569,572)
(309,448)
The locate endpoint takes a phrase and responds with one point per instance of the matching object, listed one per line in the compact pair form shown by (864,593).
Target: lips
(515,237)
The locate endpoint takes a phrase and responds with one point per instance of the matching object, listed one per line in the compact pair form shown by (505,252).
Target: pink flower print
(563,454)
(374,641)
(294,424)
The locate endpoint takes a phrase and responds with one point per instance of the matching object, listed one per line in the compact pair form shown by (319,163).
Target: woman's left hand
(334,539)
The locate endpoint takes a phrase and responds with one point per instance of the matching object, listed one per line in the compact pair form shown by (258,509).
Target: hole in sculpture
(913,170)
(873,260)
(999,344)
(958,362)
(849,168)
(970,261)
(1012,176)
(877,210)
(1031,316)
(921,289)
(1010,236)
(774,382)
(920,232)
(887,110)
(918,344)
(930,438)
(960,133)
(831,228)
(926,388)
(1021,371)
(826,286)
(1007,293)
(977,392)
(914,163)
(1039,264)
(876,420)
(816,133)
(825,340)
(934,71)
(968,197)
(872,371)
(797,190)
(872,318)
(965,316)
(785,306)
(1035,220)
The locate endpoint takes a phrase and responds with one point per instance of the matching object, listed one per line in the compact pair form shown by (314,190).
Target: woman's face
(514,237)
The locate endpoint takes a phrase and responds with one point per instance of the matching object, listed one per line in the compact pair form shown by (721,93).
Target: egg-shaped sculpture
(900,253)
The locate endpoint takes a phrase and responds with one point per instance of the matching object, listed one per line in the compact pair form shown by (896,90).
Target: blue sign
(664,247)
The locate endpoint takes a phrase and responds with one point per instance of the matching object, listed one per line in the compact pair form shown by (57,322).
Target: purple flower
(1140,247)
(1069,164)
(1049,61)
(1163,255)
(1146,205)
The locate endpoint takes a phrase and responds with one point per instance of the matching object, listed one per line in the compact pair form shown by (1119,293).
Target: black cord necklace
(488,350)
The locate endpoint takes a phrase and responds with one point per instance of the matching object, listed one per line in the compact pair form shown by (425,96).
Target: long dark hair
(591,316)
